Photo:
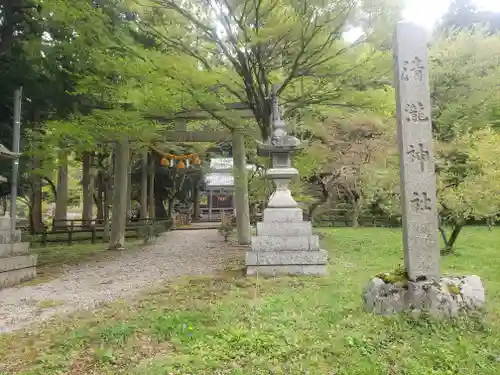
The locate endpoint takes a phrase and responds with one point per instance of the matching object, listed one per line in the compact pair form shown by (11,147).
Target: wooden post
(241,188)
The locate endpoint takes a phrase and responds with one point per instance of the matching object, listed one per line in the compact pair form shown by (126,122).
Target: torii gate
(181,134)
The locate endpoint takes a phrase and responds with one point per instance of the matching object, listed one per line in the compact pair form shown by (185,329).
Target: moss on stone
(453,289)
(396,277)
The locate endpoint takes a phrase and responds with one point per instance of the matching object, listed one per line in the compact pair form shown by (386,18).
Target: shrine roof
(221,173)
(221,164)
(225,165)
(217,180)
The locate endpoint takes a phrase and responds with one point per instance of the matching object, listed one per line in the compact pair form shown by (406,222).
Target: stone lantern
(16,262)
(284,243)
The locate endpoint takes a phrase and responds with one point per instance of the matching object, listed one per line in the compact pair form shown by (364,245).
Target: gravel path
(85,286)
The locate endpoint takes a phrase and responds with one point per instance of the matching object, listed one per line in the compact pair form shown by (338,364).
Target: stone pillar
(418,178)
(241,188)
(284,243)
(419,287)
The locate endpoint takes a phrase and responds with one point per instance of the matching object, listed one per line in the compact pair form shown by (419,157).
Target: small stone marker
(418,179)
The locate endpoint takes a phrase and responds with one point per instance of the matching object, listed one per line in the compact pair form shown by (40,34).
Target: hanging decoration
(181,161)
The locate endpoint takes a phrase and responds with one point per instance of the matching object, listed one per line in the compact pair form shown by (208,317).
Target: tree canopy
(94,72)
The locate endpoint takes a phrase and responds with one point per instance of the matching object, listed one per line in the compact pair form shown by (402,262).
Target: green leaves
(472,193)
(464,71)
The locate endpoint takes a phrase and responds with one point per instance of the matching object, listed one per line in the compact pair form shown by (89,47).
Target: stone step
(17,262)
(284,228)
(295,270)
(15,277)
(284,243)
(19,248)
(4,222)
(282,214)
(5,236)
(286,258)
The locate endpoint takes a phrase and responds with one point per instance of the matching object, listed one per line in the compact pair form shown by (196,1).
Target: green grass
(232,325)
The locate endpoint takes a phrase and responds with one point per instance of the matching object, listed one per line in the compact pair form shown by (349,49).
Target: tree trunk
(196,202)
(144,185)
(454,236)
(170,212)
(36,185)
(358,204)
(36,204)
(489,223)
(52,186)
(61,210)
(129,189)
(106,204)
(151,191)
(108,176)
(314,206)
(119,214)
(159,207)
(241,188)
(320,201)
(88,188)
(100,197)
(450,242)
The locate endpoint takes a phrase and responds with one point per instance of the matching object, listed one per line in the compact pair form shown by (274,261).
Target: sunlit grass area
(229,324)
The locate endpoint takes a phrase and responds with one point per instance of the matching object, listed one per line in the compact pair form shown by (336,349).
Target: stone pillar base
(273,271)
(448,297)
(17,269)
(285,245)
(16,264)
